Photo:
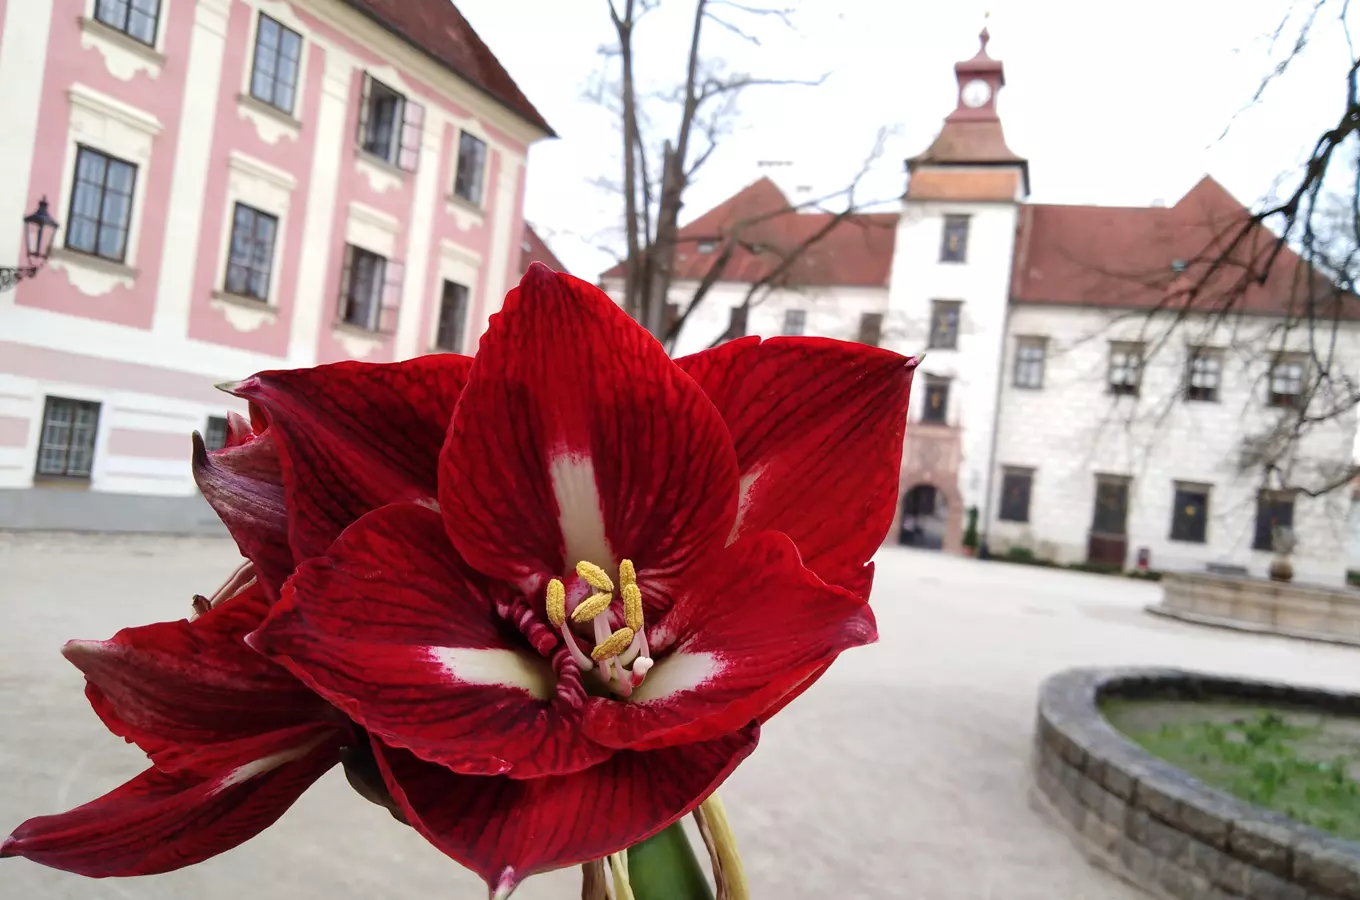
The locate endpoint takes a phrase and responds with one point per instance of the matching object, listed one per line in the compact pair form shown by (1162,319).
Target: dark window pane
(1190,515)
(1015,491)
(215,435)
(250,253)
(268,38)
(467,182)
(1112,507)
(384,117)
(736,322)
(112,12)
(452,313)
(1273,510)
(274,76)
(1202,381)
(954,247)
(795,320)
(1029,362)
(944,324)
(1126,368)
(101,205)
(936,408)
(66,443)
(367,271)
(1286,383)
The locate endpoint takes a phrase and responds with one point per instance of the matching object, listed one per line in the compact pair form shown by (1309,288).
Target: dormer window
(954,247)
(707,246)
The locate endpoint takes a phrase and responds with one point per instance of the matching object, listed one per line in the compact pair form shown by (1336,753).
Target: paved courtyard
(902,774)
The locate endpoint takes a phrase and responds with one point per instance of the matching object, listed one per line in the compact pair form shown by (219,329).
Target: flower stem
(664,867)
(722,844)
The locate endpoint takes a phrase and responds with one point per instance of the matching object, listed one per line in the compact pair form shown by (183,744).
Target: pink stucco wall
(13,431)
(163,97)
(69,63)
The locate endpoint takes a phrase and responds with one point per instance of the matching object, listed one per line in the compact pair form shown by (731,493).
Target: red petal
(577,438)
(817,426)
(742,639)
(392,628)
(178,688)
(506,830)
(239,429)
(160,821)
(244,485)
(355,436)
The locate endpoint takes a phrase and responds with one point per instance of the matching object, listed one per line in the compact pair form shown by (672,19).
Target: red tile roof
(533,249)
(438,29)
(856,252)
(1146,257)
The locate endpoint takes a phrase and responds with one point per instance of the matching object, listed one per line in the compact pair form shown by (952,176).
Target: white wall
(1073,428)
(982,283)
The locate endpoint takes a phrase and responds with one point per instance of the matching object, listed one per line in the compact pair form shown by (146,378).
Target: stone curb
(1162,829)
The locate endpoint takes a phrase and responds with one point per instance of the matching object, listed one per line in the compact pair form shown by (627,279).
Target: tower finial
(986,35)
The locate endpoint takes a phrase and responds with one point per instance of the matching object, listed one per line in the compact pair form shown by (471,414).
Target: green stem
(664,867)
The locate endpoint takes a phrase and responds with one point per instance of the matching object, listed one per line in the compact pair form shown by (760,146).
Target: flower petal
(176,689)
(244,484)
(506,829)
(161,821)
(817,426)
(750,633)
(577,438)
(392,628)
(355,436)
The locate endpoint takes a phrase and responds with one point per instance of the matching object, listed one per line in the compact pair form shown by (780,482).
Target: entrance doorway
(924,514)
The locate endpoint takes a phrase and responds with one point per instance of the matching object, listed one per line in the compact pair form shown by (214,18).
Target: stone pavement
(902,774)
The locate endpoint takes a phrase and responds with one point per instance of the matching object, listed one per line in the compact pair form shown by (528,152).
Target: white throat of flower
(620,658)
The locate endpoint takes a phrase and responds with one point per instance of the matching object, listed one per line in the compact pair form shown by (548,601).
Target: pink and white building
(241,185)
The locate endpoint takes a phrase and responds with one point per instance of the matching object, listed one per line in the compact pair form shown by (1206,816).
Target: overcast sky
(1113,103)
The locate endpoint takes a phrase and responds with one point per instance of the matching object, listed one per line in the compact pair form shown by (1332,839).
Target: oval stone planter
(1162,829)
(1293,610)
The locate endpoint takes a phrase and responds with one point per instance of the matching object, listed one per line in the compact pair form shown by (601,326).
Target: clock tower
(949,297)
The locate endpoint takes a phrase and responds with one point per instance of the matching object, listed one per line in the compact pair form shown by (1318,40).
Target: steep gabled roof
(856,251)
(438,29)
(1148,257)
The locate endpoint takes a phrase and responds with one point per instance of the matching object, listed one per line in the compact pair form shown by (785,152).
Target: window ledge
(97,29)
(244,313)
(382,175)
(266,116)
(63,482)
(463,208)
(352,330)
(90,262)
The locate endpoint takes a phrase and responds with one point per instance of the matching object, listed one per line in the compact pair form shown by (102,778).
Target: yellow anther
(557,602)
(613,645)
(594,576)
(632,604)
(591,607)
(627,574)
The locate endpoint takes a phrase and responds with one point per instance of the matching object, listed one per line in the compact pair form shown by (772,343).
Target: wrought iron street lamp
(39,230)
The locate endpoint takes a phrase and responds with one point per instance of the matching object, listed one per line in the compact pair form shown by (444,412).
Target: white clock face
(976,93)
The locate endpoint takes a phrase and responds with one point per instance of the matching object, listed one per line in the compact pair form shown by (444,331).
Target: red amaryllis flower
(234,739)
(571,634)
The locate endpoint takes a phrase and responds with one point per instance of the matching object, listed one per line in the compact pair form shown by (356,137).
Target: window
(370,290)
(1274,509)
(707,247)
(1190,513)
(672,316)
(736,323)
(1204,375)
(1029,362)
(1015,491)
(954,247)
(66,447)
(937,400)
(1126,368)
(1111,512)
(277,53)
(101,205)
(390,125)
(871,328)
(135,18)
(251,256)
(215,435)
(467,183)
(1286,381)
(944,324)
(452,314)
(794,321)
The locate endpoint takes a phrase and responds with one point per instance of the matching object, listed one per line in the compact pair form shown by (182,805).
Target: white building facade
(1055,407)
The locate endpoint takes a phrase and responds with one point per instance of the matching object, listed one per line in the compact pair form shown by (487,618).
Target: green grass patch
(1295,764)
